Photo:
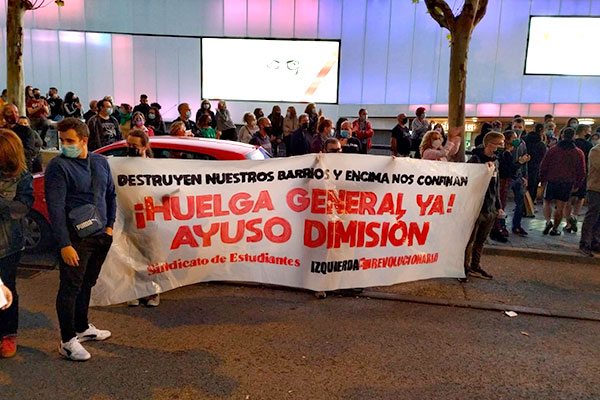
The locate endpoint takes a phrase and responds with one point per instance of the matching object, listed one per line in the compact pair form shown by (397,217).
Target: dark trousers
(9,318)
(41,125)
(76,284)
(287,141)
(533,181)
(481,230)
(517,187)
(590,230)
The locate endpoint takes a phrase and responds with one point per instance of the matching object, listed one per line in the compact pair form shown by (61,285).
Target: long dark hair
(140,133)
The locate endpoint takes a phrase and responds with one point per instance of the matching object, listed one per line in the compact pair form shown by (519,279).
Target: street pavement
(230,341)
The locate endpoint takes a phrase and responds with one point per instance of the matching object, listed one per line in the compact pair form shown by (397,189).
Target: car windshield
(258,154)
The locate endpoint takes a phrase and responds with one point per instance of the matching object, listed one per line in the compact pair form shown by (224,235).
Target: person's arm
(581,169)
(30,108)
(452,145)
(46,107)
(394,146)
(118,129)
(56,195)
(111,200)
(433,154)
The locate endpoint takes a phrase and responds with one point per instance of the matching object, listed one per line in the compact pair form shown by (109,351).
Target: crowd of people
(81,196)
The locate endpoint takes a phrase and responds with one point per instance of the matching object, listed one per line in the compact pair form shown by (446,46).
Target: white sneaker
(73,350)
(133,303)
(93,333)
(153,301)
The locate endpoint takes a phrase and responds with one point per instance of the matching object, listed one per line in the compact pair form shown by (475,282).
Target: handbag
(86,219)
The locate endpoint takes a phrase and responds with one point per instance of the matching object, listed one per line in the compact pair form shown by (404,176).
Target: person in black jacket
(301,138)
(573,206)
(491,207)
(536,148)
(401,144)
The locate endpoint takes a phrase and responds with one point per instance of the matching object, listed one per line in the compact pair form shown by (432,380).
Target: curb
(539,254)
(477,305)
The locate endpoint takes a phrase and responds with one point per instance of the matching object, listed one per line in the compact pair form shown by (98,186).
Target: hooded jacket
(491,202)
(563,163)
(535,148)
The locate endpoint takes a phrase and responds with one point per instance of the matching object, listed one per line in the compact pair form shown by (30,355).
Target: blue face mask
(71,151)
(518,132)
(344,134)
(550,132)
(188,114)
(573,125)
(109,111)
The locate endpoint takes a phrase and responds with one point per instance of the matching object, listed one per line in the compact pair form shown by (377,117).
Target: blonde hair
(176,127)
(427,142)
(12,156)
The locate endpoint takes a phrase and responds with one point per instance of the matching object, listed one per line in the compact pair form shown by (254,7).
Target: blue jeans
(517,187)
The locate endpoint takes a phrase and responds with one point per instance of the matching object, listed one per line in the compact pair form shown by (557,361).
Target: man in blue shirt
(77,178)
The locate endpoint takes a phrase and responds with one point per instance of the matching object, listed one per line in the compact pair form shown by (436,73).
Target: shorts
(580,193)
(558,191)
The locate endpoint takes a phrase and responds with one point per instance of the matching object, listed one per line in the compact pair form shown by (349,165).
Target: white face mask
(437,143)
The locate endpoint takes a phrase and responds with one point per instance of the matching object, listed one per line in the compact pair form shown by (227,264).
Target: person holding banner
(484,154)
(16,198)
(138,145)
(82,206)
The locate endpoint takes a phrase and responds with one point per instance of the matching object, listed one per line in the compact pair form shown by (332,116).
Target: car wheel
(37,233)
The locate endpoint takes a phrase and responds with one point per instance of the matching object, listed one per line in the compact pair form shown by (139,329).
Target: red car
(38,234)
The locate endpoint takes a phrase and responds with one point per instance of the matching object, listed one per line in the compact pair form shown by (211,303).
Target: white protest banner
(320,222)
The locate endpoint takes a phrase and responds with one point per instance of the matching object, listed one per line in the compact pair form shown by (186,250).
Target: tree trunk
(15,22)
(458,83)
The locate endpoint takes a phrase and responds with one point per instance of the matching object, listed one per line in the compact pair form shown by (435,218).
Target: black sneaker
(497,236)
(548,227)
(573,222)
(554,232)
(586,251)
(479,273)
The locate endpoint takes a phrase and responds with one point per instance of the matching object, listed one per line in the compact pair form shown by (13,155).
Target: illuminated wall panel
(351,64)
(511,51)
(306,18)
(259,18)
(167,68)
(330,19)
(392,52)
(482,60)
(375,52)
(235,17)
(45,47)
(401,50)
(99,65)
(423,78)
(123,73)
(73,16)
(73,67)
(282,18)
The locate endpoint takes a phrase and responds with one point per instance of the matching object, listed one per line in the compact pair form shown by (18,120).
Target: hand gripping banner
(320,222)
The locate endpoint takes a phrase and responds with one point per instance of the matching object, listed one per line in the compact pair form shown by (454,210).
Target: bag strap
(94,180)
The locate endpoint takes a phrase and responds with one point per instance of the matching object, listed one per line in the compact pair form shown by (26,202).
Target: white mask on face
(437,143)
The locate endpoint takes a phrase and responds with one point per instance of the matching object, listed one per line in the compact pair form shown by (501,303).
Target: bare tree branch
(480,12)
(446,19)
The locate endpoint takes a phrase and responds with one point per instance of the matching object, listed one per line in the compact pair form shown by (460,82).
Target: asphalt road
(219,341)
